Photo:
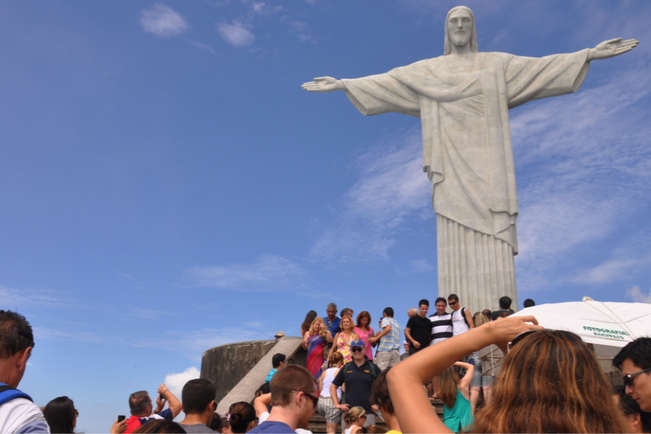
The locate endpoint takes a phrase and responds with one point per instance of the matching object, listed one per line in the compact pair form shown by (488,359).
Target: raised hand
(503,330)
(612,48)
(323,84)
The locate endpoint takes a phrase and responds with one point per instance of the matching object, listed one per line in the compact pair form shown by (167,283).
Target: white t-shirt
(327,381)
(458,323)
(264,416)
(21,415)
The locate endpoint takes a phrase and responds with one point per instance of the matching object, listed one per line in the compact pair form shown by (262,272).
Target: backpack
(463,315)
(7,393)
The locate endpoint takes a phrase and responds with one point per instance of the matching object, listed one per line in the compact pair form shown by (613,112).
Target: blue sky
(167,186)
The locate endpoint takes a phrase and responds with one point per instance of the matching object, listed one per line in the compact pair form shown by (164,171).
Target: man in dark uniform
(358,376)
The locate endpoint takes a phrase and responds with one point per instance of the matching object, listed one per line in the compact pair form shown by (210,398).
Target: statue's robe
(468,154)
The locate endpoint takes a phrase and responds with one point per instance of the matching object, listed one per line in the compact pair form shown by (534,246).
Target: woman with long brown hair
(344,337)
(305,326)
(550,382)
(455,394)
(364,330)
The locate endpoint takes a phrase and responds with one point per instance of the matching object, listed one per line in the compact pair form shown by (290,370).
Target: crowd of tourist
(532,380)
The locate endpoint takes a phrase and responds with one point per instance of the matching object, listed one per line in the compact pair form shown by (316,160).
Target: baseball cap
(357,343)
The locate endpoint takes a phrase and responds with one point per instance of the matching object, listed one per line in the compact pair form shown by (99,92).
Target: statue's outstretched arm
(323,84)
(611,48)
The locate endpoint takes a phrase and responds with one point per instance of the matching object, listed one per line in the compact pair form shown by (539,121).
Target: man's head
(357,349)
(278,360)
(331,310)
(294,388)
(423,307)
(505,302)
(16,343)
(388,312)
(380,394)
(140,403)
(453,301)
(347,311)
(412,312)
(198,396)
(637,420)
(460,29)
(633,359)
(528,303)
(441,304)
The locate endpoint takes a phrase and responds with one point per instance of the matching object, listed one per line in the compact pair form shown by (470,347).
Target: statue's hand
(323,84)
(612,48)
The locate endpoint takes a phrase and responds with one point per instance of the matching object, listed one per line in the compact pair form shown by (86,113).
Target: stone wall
(226,365)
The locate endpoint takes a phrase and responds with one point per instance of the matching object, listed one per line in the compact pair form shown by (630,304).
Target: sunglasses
(517,339)
(315,399)
(452,303)
(628,379)
(356,350)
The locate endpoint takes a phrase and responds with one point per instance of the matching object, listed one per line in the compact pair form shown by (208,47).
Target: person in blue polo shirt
(332,321)
(358,376)
(388,352)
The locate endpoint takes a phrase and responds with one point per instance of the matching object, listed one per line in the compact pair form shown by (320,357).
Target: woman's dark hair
(60,415)
(240,415)
(216,422)
(308,321)
(380,393)
(160,426)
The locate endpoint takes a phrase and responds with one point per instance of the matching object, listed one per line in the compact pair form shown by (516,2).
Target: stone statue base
(479,268)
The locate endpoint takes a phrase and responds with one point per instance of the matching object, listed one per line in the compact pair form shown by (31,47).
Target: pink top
(364,337)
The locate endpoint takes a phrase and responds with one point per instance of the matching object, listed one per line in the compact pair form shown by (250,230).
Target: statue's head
(460,29)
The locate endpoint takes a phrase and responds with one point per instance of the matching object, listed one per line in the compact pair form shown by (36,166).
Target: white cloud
(258,7)
(175,382)
(49,334)
(190,343)
(391,189)
(421,266)
(270,272)
(301,29)
(148,313)
(17,298)
(584,166)
(163,21)
(635,294)
(609,271)
(203,47)
(236,34)
(193,343)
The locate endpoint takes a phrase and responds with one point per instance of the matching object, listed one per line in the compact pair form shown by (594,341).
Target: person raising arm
(405,380)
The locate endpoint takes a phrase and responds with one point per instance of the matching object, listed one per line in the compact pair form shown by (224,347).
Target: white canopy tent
(607,325)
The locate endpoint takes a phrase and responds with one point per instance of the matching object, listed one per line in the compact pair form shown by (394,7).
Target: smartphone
(121,418)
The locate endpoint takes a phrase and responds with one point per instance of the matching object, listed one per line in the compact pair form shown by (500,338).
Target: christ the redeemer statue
(463,99)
